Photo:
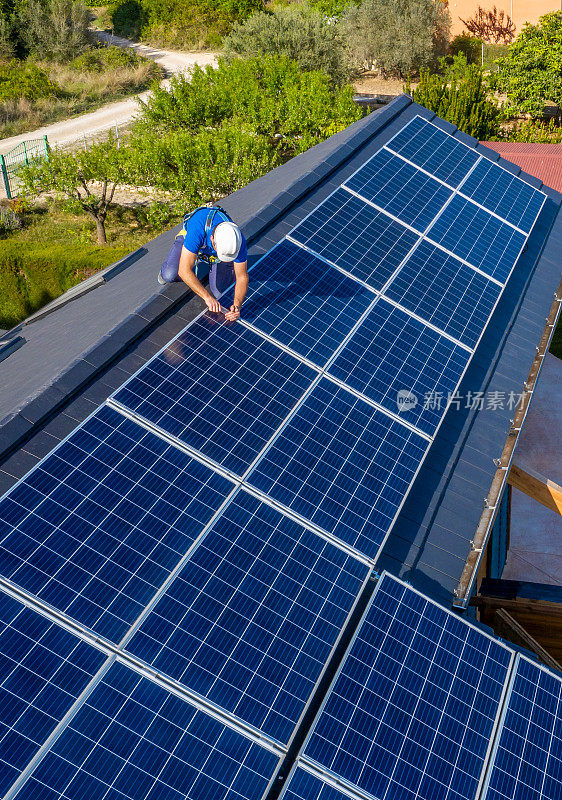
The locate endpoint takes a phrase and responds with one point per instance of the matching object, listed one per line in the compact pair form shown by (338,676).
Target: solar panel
(445,292)
(391,353)
(133,740)
(304,786)
(401,189)
(508,196)
(352,234)
(253,616)
(43,670)
(302,302)
(438,152)
(343,465)
(97,527)
(220,388)
(414,705)
(527,763)
(479,238)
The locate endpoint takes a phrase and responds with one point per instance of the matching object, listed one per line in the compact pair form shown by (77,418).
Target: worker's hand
(213,304)
(232,314)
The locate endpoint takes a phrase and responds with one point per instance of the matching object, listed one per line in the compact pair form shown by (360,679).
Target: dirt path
(119,113)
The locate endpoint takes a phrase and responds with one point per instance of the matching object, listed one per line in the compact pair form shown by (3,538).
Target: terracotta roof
(544,161)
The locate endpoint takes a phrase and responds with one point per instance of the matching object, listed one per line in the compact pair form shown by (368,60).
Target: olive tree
(396,36)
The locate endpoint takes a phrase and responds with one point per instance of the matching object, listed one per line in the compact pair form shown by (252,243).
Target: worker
(209,240)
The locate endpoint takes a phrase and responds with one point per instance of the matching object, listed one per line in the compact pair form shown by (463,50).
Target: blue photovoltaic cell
(528,761)
(221,389)
(98,526)
(304,786)
(352,234)
(413,708)
(445,292)
(253,616)
(133,740)
(302,302)
(504,194)
(481,239)
(43,670)
(343,465)
(392,352)
(401,189)
(434,150)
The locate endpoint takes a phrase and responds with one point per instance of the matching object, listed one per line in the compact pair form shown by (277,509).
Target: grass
(55,250)
(81,91)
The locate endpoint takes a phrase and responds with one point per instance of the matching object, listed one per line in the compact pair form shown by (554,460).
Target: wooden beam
(537,487)
(525,605)
(508,628)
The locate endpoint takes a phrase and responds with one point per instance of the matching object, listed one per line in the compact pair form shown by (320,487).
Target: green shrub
(99,59)
(9,221)
(8,38)
(531,72)
(459,95)
(56,30)
(272,94)
(201,166)
(533,131)
(128,18)
(205,137)
(295,32)
(470,46)
(186,24)
(396,36)
(23,79)
(332,8)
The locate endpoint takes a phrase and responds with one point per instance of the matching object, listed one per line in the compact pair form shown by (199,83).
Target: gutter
(465,586)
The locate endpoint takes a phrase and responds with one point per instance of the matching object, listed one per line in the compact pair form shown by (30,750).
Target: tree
(398,36)
(87,178)
(491,26)
(531,73)
(229,124)
(54,29)
(8,41)
(459,95)
(270,94)
(297,32)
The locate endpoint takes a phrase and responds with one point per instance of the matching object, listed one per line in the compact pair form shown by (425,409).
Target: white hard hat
(228,241)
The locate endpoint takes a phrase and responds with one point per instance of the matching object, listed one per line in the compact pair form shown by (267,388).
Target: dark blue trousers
(221,274)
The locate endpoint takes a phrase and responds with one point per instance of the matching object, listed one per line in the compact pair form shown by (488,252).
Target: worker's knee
(170,267)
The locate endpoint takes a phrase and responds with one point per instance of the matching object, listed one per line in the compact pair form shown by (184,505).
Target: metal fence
(18,157)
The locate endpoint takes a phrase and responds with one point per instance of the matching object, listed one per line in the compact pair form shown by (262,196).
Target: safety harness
(203,260)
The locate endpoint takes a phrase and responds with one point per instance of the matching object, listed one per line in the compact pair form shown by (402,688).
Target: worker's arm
(240,289)
(188,276)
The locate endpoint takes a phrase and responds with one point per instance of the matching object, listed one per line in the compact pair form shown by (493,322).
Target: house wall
(520,11)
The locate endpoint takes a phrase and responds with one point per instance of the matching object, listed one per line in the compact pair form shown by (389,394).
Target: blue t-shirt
(195,240)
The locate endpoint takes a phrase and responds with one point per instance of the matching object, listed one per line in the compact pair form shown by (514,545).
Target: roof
(76,355)
(543,161)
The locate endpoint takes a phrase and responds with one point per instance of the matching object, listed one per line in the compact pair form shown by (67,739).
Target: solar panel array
(415,703)
(527,762)
(427,706)
(191,555)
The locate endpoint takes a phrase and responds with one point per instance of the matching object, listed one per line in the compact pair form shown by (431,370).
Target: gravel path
(95,122)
